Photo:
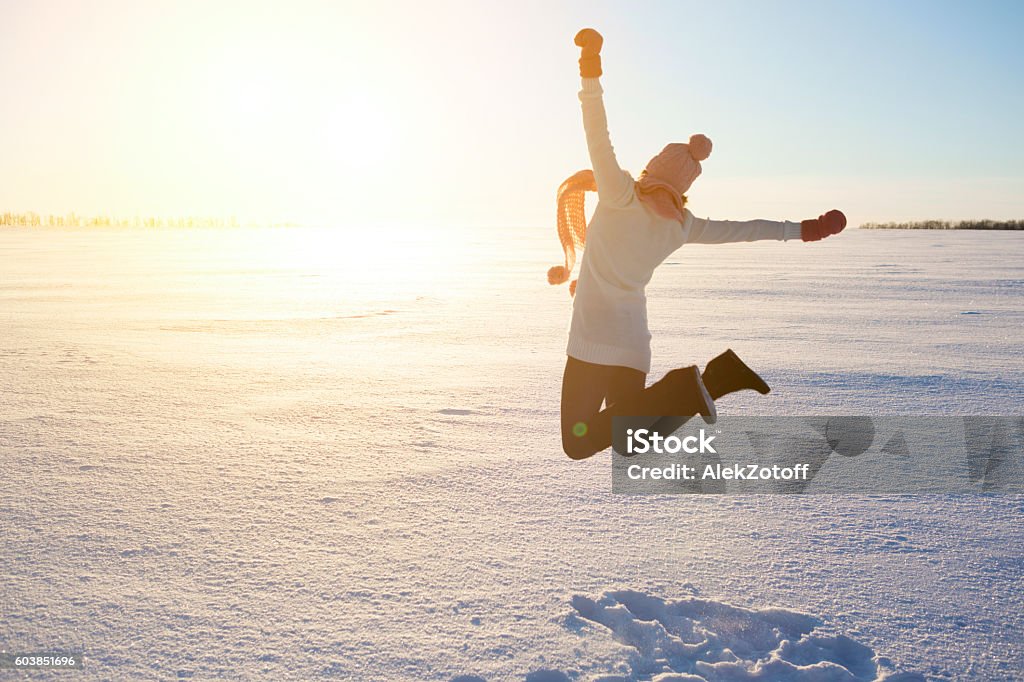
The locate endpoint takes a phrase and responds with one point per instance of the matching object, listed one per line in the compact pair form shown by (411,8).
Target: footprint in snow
(701,639)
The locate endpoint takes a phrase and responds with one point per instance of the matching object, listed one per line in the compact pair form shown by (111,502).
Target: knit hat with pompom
(668,176)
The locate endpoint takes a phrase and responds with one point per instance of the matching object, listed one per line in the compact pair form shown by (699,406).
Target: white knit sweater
(626,241)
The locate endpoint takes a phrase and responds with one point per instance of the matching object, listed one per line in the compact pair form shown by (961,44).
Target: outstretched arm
(707,231)
(614,185)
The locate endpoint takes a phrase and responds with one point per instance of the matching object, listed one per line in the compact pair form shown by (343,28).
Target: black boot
(727,373)
(680,394)
(690,393)
(723,375)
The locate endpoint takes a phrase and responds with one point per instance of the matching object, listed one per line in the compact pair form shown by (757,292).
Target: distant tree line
(32,219)
(947,225)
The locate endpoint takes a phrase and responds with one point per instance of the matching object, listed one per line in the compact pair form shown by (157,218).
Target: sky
(466,113)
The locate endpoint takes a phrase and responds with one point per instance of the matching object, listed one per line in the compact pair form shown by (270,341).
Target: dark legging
(587,429)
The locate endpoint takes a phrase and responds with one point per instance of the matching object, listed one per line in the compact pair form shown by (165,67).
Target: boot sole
(707,411)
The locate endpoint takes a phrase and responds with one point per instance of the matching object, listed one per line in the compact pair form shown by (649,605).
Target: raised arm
(614,185)
(707,231)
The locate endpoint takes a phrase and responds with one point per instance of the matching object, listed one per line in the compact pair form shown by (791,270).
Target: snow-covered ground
(278,455)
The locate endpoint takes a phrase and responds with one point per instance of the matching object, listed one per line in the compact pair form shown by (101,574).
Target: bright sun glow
(355,112)
(325,130)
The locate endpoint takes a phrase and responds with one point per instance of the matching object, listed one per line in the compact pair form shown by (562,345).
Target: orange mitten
(823,226)
(590,42)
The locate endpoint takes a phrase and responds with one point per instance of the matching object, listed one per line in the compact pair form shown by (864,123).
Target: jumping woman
(635,227)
